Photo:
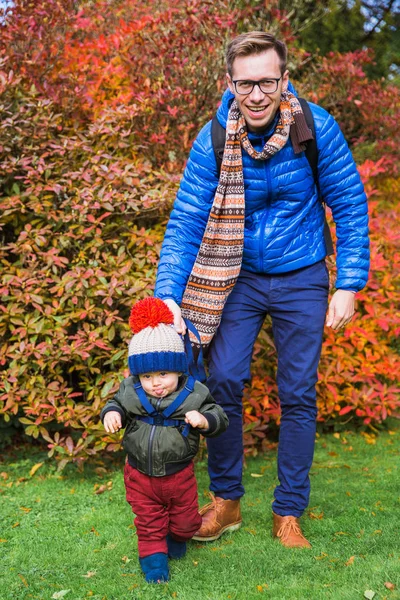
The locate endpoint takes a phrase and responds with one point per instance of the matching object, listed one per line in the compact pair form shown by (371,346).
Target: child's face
(159,383)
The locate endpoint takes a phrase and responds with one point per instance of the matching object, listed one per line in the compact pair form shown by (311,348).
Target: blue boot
(175,549)
(155,567)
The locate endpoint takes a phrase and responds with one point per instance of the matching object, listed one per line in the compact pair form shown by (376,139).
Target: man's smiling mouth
(257,109)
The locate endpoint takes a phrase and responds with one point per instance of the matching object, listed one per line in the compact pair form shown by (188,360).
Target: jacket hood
(228,98)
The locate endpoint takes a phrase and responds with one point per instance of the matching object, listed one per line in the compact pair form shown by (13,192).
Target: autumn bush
(98,111)
(358,375)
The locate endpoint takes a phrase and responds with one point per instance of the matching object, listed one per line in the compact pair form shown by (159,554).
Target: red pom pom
(149,312)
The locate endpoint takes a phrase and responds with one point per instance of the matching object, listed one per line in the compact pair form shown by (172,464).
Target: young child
(163,411)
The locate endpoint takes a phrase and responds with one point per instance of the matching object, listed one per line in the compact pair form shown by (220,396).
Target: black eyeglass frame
(254,83)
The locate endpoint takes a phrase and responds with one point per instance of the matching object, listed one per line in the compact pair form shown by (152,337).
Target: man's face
(258,108)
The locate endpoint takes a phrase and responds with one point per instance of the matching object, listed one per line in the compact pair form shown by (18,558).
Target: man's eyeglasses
(246,86)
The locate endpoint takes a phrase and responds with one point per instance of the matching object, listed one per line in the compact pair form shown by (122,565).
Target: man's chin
(258,124)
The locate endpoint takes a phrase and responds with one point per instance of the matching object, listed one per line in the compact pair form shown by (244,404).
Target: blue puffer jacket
(283,218)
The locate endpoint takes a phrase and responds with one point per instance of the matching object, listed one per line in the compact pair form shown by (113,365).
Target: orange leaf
(389,586)
(22,578)
(350,561)
(315,516)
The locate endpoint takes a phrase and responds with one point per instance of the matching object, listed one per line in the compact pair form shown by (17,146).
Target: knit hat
(155,346)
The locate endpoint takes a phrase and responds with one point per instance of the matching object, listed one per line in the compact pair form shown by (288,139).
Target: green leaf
(106,389)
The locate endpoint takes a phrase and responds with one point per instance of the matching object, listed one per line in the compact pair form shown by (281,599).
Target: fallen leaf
(90,574)
(337,436)
(315,516)
(256,474)
(4,475)
(22,578)
(125,559)
(60,594)
(93,530)
(101,471)
(369,594)
(389,586)
(25,509)
(333,454)
(2,541)
(35,468)
(15,525)
(103,488)
(195,562)
(350,561)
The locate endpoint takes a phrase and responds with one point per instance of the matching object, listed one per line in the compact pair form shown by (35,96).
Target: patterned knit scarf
(219,258)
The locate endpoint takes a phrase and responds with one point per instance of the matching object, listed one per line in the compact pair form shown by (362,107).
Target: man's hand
(179,323)
(112,421)
(341,309)
(196,419)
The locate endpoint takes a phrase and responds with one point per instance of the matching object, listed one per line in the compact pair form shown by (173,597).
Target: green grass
(60,535)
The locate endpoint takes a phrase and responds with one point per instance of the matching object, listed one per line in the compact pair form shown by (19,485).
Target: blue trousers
(297,304)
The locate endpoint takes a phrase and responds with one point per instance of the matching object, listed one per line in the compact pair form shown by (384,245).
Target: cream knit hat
(155,346)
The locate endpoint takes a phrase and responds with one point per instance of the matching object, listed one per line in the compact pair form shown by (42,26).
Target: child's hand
(112,421)
(196,419)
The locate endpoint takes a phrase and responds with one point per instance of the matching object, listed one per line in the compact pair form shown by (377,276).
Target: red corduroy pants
(162,505)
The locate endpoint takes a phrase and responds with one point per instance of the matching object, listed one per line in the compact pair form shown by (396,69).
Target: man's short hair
(255,42)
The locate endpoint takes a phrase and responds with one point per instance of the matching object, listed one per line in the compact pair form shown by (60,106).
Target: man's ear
(285,80)
(229,83)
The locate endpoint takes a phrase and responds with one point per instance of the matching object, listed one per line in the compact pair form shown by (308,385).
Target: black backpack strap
(311,150)
(218,135)
(311,153)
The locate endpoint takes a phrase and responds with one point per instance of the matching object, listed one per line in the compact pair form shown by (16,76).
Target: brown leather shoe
(218,516)
(288,530)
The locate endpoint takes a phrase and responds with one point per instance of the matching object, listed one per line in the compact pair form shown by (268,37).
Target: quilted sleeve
(342,190)
(188,219)
(216,417)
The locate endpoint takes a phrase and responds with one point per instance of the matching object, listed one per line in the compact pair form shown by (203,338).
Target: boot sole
(212,538)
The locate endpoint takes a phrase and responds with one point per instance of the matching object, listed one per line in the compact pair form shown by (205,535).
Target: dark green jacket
(157,450)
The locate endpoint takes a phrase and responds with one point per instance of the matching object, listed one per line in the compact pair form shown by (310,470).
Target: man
(253,246)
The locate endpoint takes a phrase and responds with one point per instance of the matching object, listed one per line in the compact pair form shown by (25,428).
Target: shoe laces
(212,504)
(289,526)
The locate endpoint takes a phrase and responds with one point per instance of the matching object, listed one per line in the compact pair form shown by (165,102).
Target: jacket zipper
(151,438)
(265,216)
